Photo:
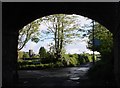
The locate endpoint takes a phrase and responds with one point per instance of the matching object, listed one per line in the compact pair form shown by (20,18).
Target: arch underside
(17,15)
(23,13)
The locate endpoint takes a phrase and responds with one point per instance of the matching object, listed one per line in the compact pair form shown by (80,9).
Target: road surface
(72,77)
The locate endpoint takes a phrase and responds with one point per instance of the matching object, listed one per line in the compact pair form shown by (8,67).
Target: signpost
(96,42)
(93,44)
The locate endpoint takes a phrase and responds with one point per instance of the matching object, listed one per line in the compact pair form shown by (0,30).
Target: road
(68,76)
(56,77)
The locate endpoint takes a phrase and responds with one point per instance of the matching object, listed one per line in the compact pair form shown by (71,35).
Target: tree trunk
(62,36)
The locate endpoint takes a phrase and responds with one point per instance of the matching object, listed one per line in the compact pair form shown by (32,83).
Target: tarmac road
(72,77)
(68,76)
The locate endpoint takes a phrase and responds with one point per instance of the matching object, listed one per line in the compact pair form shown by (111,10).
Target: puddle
(83,69)
(74,78)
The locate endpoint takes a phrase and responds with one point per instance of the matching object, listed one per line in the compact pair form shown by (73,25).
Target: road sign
(97,42)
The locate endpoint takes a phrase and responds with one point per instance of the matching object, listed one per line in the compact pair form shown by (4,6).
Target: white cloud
(72,51)
(78,45)
(29,45)
(42,27)
(91,52)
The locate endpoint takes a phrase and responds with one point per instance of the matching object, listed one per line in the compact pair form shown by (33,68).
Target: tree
(52,48)
(26,55)
(104,36)
(30,31)
(103,69)
(42,52)
(63,28)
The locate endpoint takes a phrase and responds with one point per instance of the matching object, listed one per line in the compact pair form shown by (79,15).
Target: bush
(73,61)
(35,56)
(70,60)
(25,55)
(59,64)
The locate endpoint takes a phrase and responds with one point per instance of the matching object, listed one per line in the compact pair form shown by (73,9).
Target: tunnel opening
(107,17)
(46,62)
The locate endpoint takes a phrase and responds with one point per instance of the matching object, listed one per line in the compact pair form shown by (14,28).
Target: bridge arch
(16,15)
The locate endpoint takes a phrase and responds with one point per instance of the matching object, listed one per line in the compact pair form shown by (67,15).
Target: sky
(78,46)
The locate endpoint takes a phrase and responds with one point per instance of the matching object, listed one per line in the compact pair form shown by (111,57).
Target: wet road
(68,76)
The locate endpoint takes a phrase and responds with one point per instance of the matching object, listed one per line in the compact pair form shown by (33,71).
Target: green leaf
(36,40)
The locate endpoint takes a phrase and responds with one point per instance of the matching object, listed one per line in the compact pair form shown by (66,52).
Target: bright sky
(77,46)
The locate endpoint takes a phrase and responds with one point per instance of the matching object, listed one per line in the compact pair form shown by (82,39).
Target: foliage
(26,55)
(103,69)
(51,62)
(70,60)
(63,28)
(51,58)
(29,32)
(46,57)
(104,36)
(20,54)
(73,61)
(42,52)
(35,56)
(58,64)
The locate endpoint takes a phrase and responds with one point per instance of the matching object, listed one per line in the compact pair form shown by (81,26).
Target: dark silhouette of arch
(16,15)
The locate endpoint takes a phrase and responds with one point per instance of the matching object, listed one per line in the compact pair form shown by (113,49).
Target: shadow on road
(72,77)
